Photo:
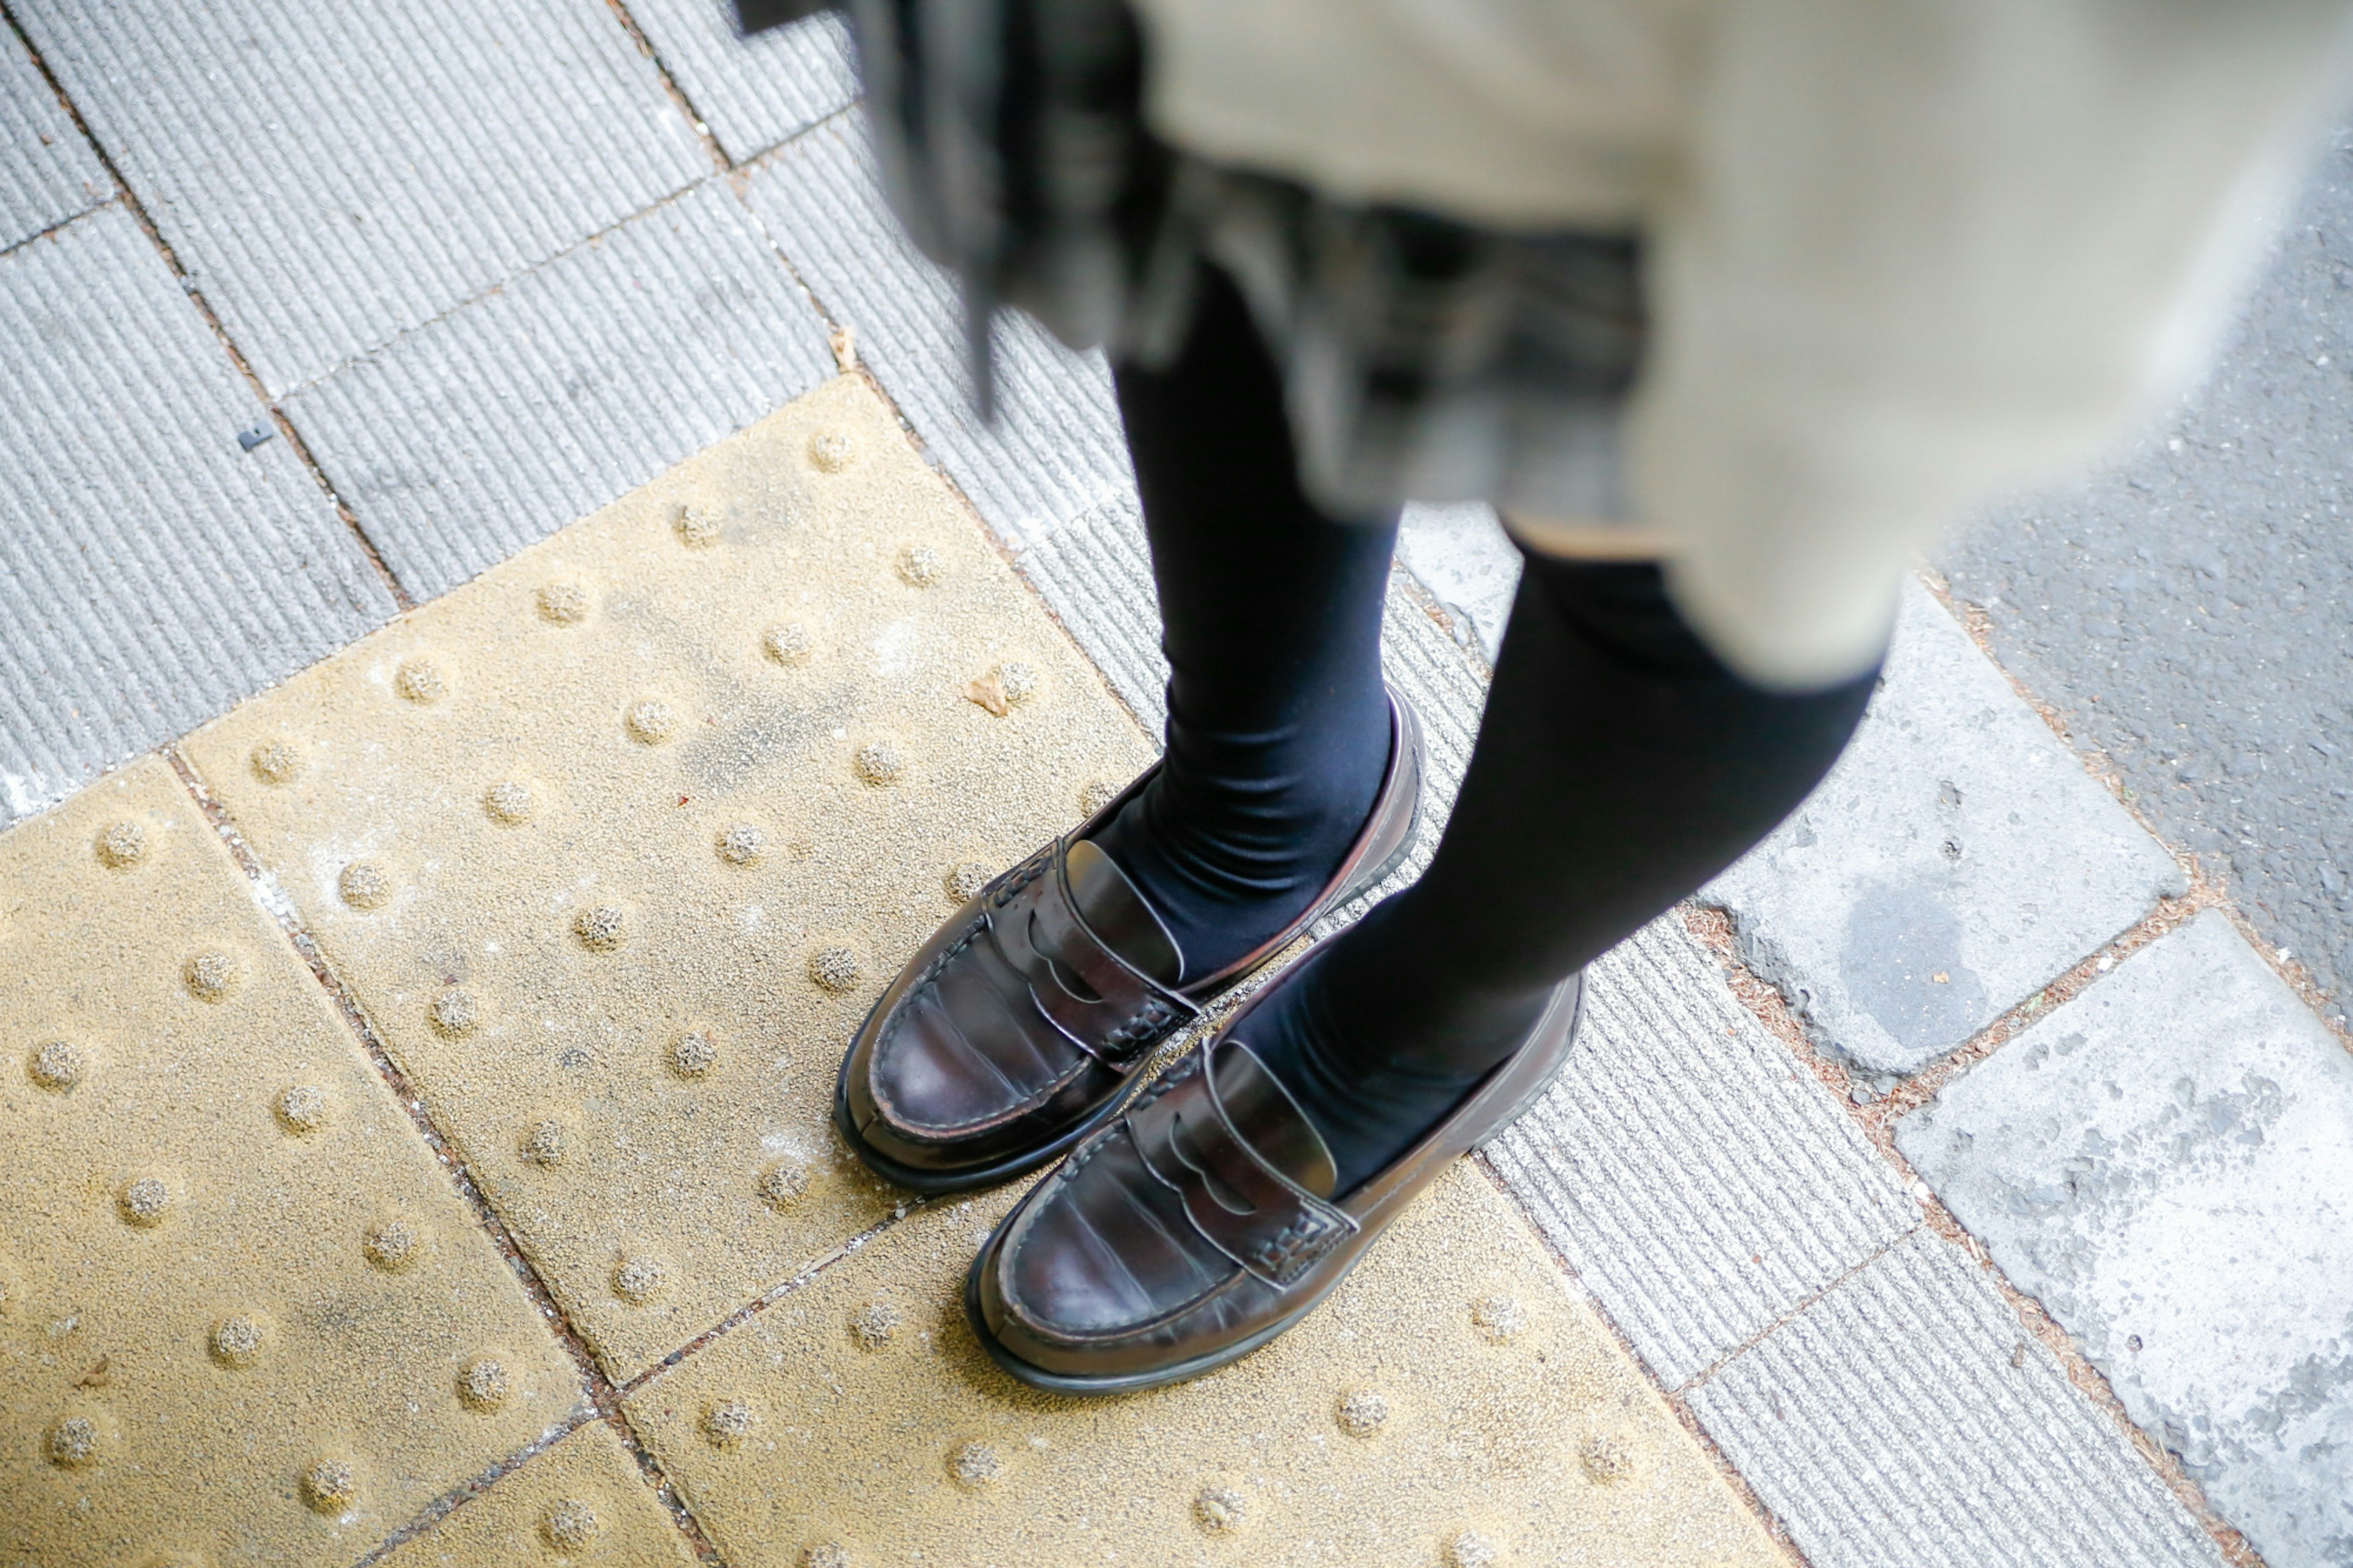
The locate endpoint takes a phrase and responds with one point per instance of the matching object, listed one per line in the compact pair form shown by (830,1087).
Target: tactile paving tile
(48,173)
(582,1502)
(752,92)
(331,175)
(1452,1404)
(244,1315)
(616,844)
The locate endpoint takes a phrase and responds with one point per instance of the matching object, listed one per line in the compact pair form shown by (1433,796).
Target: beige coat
(1902,255)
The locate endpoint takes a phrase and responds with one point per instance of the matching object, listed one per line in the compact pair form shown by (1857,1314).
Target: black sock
(1278,722)
(1618,767)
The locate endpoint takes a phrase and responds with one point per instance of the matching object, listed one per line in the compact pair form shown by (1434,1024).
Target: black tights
(1619,765)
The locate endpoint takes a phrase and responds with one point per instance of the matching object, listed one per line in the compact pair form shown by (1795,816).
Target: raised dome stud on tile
(826,1554)
(638,1278)
(742,844)
(365,886)
(544,1143)
(650,721)
(877,763)
(482,1384)
(145,1201)
(833,969)
(726,1423)
(57,1065)
(236,1341)
(509,803)
(329,1485)
(455,1014)
(391,1245)
(570,1524)
(787,644)
(973,1466)
(782,1184)
(1499,1320)
(830,451)
(874,1325)
(1219,1511)
(920,566)
(694,1054)
(965,880)
(120,846)
(1605,1458)
(420,680)
(1094,795)
(301,1109)
(72,1442)
(1469,1549)
(275,761)
(601,928)
(1362,1412)
(210,976)
(695,527)
(561,604)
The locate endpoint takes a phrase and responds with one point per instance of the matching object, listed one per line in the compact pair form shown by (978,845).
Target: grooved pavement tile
(241,1305)
(1462,554)
(48,173)
(2164,1164)
(152,573)
(1907,1421)
(467,439)
(856,1421)
(583,1500)
(1700,1183)
(616,844)
(330,174)
(1955,859)
(1057,451)
(752,92)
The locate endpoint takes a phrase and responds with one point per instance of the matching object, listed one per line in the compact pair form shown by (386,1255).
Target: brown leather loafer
(1023,1023)
(1201,1224)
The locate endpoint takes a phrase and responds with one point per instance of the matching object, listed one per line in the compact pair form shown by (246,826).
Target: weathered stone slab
(1958,858)
(2167,1164)
(47,172)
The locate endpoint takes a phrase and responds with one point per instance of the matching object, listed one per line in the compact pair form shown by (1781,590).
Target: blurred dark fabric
(759,16)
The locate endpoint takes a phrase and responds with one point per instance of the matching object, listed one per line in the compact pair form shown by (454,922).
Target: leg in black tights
(1277,725)
(1618,766)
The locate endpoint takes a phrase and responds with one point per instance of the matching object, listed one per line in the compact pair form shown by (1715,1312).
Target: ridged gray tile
(1907,1421)
(466,440)
(47,172)
(152,573)
(1056,452)
(331,173)
(1698,1180)
(755,92)
(2167,1164)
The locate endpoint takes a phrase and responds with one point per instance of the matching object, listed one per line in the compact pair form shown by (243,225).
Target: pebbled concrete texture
(1955,859)
(469,438)
(582,1501)
(2189,610)
(1056,452)
(752,93)
(1460,553)
(2163,1163)
(332,174)
(244,1316)
(1691,1174)
(152,571)
(47,172)
(856,1421)
(1907,1421)
(616,845)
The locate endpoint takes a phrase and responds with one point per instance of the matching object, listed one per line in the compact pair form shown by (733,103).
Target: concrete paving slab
(1697,1181)
(1460,553)
(497,425)
(332,174)
(244,1315)
(1387,1429)
(1056,452)
(755,92)
(1907,1421)
(616,845)
(1958,858)
(583,1500)
(2167,1164)
(48,171)
(153,572)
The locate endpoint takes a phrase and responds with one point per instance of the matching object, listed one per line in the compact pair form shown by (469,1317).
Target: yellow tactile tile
(245,1317)
(616,844)
(582,1502)
(1453,1405)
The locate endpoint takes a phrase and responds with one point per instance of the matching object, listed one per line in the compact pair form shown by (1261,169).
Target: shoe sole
(1037,1376)
(937,1182)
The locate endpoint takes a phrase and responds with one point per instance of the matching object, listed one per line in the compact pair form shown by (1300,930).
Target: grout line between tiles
(138,211)
(685,105)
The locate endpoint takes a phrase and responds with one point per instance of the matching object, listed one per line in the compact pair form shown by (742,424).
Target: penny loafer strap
(1096,999)
(1251,1212)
